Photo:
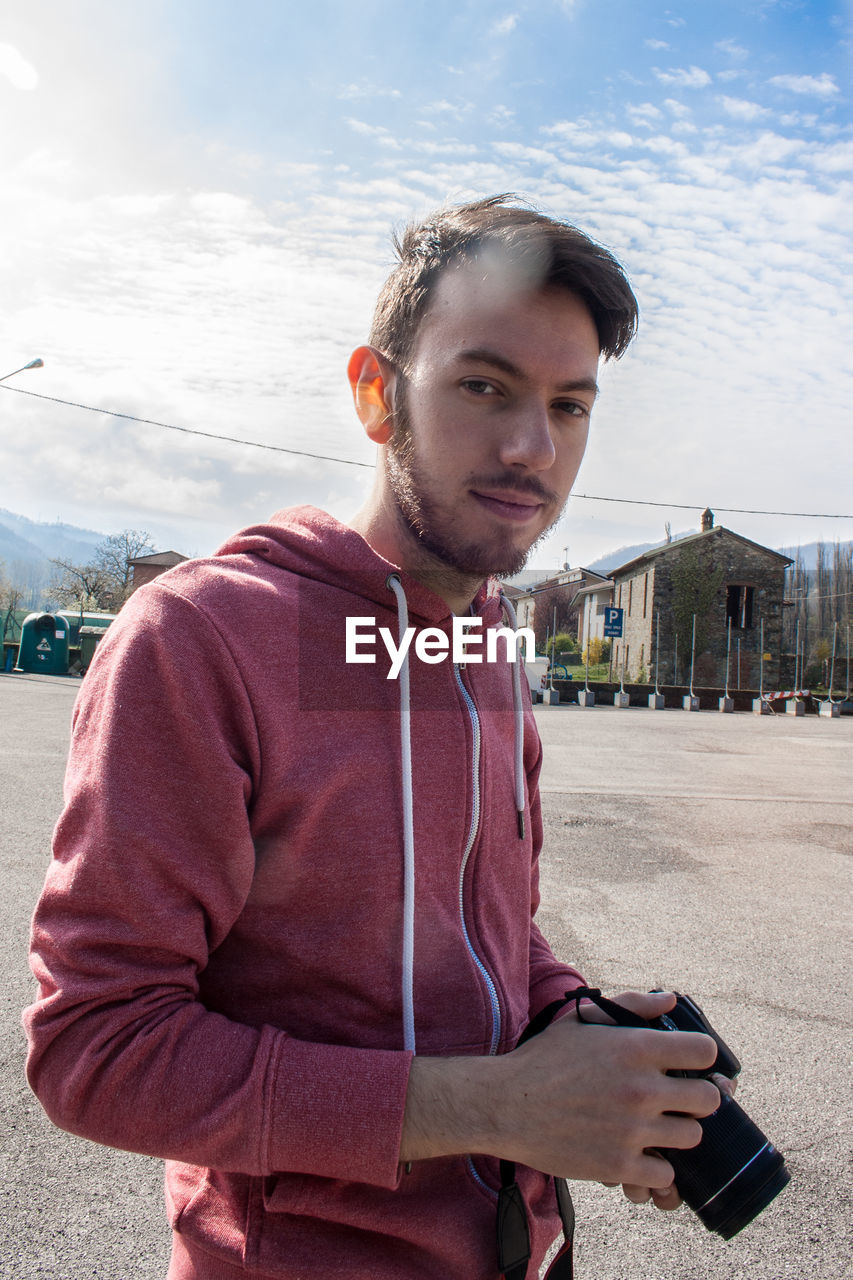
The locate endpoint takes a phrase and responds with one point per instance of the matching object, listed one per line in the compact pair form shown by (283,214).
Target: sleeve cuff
(338,1112)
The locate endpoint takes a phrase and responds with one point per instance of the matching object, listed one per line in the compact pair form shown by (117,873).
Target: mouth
(516,507)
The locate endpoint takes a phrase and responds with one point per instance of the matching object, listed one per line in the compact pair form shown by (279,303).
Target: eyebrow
(481,355)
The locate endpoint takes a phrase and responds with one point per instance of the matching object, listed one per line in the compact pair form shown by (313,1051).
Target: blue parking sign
(613,623)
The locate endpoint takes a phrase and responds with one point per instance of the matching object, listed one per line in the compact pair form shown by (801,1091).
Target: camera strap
(512,1229)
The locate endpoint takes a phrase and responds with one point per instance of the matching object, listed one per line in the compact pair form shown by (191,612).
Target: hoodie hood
(312,544)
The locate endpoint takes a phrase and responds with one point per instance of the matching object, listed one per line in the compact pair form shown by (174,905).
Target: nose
(527,439)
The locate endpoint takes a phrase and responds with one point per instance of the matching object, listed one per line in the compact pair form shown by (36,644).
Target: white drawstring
(393,583)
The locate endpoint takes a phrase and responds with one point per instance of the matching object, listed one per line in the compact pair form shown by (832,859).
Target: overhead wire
(351,462)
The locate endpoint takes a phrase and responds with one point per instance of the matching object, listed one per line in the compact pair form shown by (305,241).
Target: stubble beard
(428,522)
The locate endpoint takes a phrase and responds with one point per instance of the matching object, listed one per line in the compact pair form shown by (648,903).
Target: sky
(196,210)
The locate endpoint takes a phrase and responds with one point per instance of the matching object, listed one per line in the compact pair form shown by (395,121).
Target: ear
(371,377)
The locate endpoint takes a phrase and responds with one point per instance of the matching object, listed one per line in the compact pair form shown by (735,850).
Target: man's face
(491,422)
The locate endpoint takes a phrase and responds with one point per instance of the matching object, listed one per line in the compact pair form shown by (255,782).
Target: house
(534,603)
(147,568)
(734,587)
(593,598)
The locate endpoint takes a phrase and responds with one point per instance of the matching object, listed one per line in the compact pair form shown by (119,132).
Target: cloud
(14,66)
(731,48)
(656,44)
(822,86)
(643,115)
(740,109)
(684,78)
(501,115)
(678,109)
(365,90)
(376,131)
(504,26)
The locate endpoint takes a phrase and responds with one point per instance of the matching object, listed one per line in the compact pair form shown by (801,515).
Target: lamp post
(38,363)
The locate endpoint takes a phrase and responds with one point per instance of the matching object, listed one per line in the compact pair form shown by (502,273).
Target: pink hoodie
(218,944)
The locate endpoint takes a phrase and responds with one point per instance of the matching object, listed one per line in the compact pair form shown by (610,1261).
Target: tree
(842,583)
(599,651)
(563,598)
(113,557)
(11,600)
(105,582)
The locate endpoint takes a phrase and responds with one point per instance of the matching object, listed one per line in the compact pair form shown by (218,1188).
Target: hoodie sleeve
(153,861)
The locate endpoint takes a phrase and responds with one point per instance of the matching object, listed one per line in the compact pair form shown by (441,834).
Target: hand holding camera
(734,1172)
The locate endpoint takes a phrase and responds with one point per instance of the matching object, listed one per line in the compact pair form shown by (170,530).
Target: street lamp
(38,363)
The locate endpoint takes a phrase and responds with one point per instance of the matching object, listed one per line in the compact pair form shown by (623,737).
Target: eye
(573,408)
(479,387)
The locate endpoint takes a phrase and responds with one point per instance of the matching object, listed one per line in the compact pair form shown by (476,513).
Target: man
(286,941)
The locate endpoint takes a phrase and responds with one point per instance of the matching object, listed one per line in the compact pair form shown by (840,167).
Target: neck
(384,530)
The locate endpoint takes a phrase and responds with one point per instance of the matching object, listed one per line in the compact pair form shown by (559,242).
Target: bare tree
(823,591)
(105,582)
(11,600)
(80,585)
(113,557)
(842,583)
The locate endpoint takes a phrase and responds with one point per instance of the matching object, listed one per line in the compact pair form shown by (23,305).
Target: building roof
(593,588)
(565,578)
(166,559)
(676,544)
(528,577)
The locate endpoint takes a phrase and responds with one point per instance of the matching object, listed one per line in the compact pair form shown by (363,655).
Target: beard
(430,522)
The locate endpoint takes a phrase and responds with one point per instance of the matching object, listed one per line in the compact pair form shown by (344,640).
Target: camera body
(735,1171)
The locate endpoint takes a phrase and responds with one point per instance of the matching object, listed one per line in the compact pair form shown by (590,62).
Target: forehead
(550,331)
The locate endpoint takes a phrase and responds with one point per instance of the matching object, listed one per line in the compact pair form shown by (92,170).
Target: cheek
(574,449)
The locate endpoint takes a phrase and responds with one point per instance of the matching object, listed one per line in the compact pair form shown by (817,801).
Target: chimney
(707,519)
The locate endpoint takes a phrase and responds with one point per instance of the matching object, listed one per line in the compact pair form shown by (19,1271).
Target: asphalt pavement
(700,851)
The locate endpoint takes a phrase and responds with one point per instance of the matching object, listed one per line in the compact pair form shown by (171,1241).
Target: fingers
(667,1199)
(724,1084)
(698,1098)
(645,1004)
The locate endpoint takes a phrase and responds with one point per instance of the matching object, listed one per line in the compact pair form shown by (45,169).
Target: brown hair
(550,254)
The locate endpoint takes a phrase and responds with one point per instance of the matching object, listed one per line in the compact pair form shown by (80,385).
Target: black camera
(735,1171)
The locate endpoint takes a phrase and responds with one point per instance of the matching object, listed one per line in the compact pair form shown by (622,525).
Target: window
(739,604)
(645,593)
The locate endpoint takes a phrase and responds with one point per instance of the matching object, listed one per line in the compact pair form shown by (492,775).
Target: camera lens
(733,1174)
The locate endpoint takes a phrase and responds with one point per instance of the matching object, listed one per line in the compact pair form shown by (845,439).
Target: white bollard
(795,707)
(586,698)
(689,703)
(829,709)
(622,700)
(656,701)
(761,707)
(727,704)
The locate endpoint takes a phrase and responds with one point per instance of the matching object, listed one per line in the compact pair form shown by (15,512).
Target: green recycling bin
(44,645)
(90,638)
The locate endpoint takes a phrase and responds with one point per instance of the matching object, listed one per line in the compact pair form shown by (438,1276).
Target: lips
(509,506)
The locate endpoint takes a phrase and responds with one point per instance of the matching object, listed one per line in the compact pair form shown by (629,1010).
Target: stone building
(722,578)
